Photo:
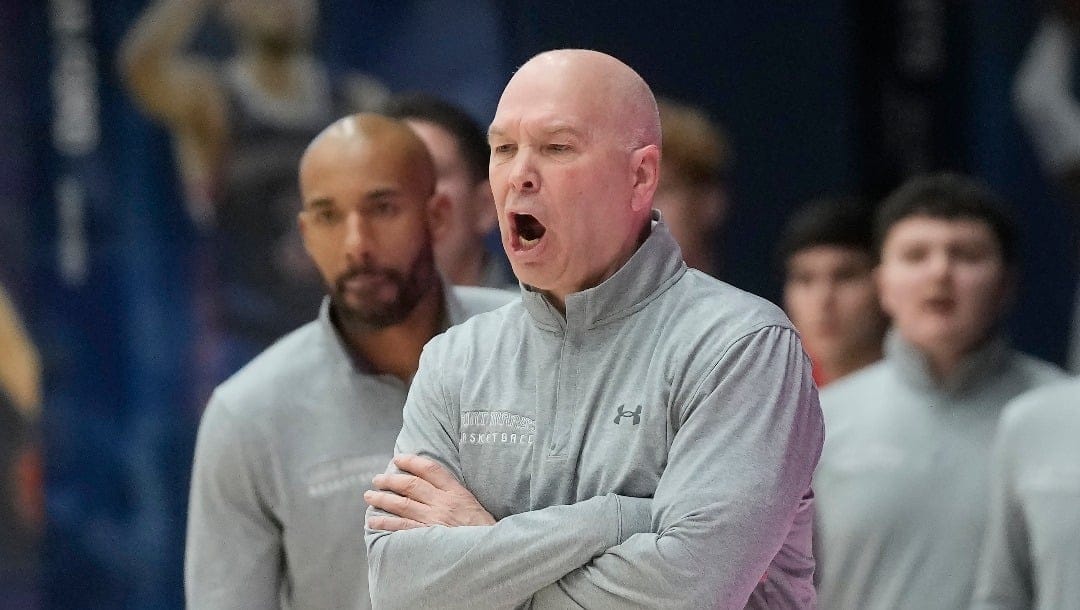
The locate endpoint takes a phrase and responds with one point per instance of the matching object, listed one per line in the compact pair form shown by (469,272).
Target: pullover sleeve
(1003,577)
(738,467)
(233,555)
(498,566)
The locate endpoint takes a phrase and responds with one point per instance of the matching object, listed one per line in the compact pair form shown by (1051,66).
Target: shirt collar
(981,364)
(651,270)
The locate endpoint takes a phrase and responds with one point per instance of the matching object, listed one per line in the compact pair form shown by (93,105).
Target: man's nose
(359,238)
(940,264)
(523,175)
(827,293)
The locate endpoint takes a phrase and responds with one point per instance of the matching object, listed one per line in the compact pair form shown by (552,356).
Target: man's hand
(427,494)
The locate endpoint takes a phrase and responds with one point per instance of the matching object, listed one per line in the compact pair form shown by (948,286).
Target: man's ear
(645,164)
(439,214)
(484,212)
(302,223)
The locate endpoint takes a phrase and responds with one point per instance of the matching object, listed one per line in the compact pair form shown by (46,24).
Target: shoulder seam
(723,354)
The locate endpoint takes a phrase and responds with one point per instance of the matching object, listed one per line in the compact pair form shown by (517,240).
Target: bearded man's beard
(371,313)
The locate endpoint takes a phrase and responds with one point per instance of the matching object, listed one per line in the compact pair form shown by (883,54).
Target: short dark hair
(827,221)
(949,196)
(466,132)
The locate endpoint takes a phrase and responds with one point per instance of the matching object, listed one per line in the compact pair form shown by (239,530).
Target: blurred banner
(113,316)
(108,266)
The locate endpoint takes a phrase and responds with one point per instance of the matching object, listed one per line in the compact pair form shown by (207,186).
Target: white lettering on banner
(76,129)
(72,249)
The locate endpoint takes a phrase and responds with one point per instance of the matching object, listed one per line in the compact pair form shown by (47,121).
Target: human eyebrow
(319,203)
(562,130)
(381,193)
(494,132)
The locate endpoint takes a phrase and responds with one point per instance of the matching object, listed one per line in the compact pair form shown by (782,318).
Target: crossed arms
(742,458)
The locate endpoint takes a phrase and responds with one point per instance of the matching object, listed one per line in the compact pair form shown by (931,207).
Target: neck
(395,350)
(558,298)
(848,362)
(698,256)
(944,363)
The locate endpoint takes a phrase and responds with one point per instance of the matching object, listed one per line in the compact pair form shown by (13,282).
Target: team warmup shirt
(902,485)
(651,448)
(286,449)
(1031,552)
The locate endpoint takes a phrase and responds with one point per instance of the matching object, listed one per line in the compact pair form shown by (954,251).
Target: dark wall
(777,75)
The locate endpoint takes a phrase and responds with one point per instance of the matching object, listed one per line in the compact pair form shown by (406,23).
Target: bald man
(631,433)
(288,445)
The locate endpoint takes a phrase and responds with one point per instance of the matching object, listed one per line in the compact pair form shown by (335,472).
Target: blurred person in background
(239,126)
(460,150)
(1046,104)
(1031,551)
(22,503)
(827,255)
(902,485)
(288,445)
(693,196)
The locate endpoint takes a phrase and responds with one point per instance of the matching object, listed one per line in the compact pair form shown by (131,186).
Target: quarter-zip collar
(974,369)
(651,270)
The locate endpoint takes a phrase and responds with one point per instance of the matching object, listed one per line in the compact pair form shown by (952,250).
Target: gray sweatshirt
(1031,551)
(652,448)
(286,449)
(902,483)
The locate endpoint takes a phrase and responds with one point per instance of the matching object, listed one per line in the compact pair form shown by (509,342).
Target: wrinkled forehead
(552,98)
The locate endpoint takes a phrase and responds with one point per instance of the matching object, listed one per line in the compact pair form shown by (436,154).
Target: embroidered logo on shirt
(496,428)
(636,414)
(340,474)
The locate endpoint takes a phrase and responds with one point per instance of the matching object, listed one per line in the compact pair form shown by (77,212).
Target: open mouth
(940,305)
(529,230)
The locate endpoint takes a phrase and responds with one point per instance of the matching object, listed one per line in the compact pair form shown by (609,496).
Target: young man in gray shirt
(632,433)
(1031,551)
(288,445)
(902,485)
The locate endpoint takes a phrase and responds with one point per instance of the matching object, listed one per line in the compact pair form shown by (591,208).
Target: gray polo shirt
(1031,551)
(902,483)
(652,448)
(286,449)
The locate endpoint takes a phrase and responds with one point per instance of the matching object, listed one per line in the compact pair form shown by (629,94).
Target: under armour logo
(636,414)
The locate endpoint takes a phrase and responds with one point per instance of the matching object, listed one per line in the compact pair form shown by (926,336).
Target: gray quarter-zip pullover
(902,483)
(1031,550)
(286,449)
(651,448)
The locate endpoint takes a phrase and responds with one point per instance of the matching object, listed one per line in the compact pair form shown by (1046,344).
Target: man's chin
(369,313)
(530,275)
